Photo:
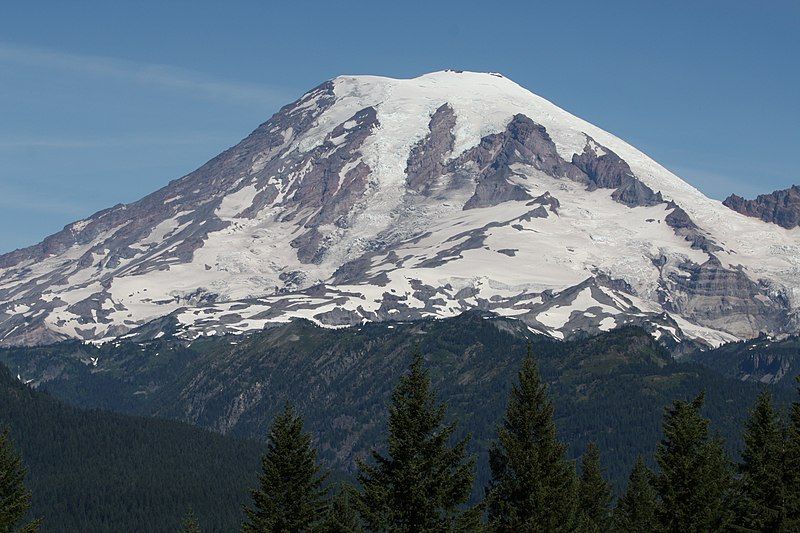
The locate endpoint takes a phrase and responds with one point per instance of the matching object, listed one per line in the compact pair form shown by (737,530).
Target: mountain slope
(100,471)
(611,388)
(374,198)
(762,360)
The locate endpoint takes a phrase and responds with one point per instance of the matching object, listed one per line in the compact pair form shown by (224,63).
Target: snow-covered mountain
(373,198)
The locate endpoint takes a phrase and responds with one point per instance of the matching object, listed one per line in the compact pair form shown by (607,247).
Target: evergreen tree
(792,470)
(759,503)
(533,486)
(423,482)
(636,510)
(342,516)
(695,478)
(291,496)
(190,523)
(15,499)
(594,494)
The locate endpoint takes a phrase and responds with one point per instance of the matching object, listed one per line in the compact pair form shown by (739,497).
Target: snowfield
(315,216)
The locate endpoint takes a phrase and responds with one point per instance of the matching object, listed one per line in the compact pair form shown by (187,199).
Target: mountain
(778,207)
(373,199)
(762,360)
(611,388)
(92,470)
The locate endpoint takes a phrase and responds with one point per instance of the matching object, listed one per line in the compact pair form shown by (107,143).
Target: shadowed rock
(523,142)
(426,162)
(722,298)
(780,207)
(607,170)
(679,220)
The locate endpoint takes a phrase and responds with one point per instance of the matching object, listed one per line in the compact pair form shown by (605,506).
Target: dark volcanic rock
(609,171)
(546,199)
(525,142)
(426,162)
(779,207)
(323,190)
(679,220)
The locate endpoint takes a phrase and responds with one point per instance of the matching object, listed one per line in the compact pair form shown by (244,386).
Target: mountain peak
(373,198)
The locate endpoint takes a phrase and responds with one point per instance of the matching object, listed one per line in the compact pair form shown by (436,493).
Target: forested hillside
(92,470)
(763,360)
(611,388)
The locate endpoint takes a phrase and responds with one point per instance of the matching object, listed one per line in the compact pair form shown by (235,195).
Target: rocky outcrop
(779,207)
(333,181)
(722,298)
(426,162)
(523,142)
(606,170)
(548,200)
(679,220)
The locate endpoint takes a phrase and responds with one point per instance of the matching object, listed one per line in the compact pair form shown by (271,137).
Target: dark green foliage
(100,471)
(190,523)
(594,494)
(15,499)
(610,388)
(636,509)
(694,480)
(422,482)
(533,485)
(758,360)
(759,503)
(342,516)
(792,469)
(291,496)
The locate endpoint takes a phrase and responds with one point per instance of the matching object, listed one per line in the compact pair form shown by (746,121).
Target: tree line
(422,478)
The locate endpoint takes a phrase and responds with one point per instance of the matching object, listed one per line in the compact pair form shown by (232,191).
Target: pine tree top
(594,493)
(533,486)
(760,502)
(695,478)
(422,482)
(15,499)
(636,509)
(190,523)
(291,494)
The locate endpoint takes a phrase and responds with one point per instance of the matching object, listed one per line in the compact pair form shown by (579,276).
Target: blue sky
(104,102)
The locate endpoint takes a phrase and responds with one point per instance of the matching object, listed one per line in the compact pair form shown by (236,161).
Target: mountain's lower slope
(99,471)
(761,360)
(610,388)
(374,198)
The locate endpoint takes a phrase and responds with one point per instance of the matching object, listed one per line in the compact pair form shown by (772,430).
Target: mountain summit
(372,198)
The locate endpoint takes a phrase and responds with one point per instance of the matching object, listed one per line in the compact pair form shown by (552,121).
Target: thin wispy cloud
(155,75)
(13,199)
(107,142)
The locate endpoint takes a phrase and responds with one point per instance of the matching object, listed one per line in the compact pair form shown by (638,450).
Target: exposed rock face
(377,199)
(548,200)
(724,298)
(523,142)
(683,225)
(331,183)
(606,170)
(426,163)
(203,188)
(778,207)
